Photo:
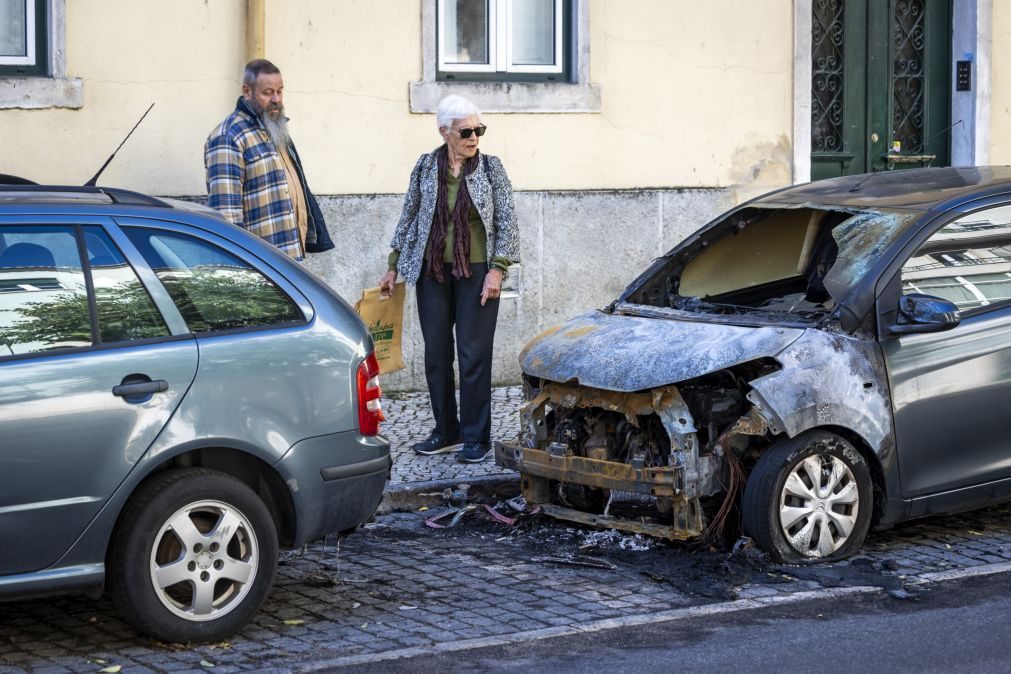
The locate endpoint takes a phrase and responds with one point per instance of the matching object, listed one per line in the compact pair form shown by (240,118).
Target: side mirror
(925,313)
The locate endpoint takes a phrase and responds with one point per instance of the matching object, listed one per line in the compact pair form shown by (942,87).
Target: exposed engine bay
(665,462)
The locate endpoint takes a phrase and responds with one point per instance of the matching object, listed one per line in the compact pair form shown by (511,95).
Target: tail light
(370,410)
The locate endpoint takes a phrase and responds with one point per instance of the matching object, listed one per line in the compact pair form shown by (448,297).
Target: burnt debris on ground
(715,571)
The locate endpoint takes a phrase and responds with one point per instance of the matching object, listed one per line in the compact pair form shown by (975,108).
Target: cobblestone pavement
(398,584)
(410,420)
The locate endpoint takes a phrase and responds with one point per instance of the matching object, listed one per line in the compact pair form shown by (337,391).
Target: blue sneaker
(434,444)
(474,452)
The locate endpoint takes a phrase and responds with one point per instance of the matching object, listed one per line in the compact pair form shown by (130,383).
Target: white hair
(452,108)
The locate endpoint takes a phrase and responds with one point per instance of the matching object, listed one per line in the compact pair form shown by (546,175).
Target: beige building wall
(693,95)
(183,55)
(1000,108)
(697,107)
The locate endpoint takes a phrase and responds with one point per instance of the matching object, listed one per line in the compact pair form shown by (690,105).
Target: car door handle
(140,388)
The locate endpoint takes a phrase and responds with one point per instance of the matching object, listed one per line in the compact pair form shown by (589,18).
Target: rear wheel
(809,499)
(194,556)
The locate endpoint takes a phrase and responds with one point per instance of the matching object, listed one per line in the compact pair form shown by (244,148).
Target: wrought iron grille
(827,76)
(908,75)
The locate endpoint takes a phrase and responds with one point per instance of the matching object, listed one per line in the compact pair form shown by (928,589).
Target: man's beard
(277,127)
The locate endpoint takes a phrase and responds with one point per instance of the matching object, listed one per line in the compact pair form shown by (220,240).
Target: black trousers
(441,306)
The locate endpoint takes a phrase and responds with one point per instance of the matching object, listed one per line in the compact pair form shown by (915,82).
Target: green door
(880,85)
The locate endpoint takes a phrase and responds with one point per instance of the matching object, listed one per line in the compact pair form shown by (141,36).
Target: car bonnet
(632,353)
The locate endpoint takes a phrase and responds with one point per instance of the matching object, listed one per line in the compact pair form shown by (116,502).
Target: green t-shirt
(478,236)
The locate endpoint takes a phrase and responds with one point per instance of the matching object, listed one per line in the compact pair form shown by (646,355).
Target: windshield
(793,261)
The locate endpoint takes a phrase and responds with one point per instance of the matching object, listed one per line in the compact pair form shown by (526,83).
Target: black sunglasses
(479,130)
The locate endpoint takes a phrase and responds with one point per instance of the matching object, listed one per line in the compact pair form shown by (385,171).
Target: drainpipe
(256,26)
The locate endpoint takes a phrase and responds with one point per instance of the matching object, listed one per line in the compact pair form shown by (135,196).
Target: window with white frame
(23,44)
(520,40)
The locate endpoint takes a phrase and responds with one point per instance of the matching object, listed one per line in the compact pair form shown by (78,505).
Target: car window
(967,261)
(772,262)
(213,289)
(125,310)
(43,293)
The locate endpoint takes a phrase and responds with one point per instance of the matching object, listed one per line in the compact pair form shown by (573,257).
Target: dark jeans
(440,307)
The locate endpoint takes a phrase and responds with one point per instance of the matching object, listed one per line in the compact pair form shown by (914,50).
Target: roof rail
(117,195)
(135,198)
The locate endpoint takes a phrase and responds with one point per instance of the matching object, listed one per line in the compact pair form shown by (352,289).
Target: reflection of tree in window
(63,320)
(126,313)
(223,298)
(213,289)
(59,321)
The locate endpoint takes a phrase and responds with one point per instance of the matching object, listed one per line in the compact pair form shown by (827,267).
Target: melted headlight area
(665,462)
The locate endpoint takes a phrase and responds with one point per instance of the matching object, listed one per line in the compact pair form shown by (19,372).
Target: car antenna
(856,188)
(94,178)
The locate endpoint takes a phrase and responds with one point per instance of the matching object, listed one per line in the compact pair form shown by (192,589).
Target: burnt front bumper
(538,468)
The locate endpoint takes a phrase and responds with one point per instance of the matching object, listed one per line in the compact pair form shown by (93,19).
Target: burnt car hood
(633,353)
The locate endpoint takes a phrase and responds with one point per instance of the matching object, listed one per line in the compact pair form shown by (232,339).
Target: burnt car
(820,360)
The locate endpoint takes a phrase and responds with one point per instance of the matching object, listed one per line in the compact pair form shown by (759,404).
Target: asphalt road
(958,626)
(401,596)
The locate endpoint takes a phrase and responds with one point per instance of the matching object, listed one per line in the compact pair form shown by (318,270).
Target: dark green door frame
(893,85)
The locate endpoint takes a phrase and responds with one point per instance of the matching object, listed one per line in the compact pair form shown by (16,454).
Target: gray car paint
(829,379)
(68,441)
(950,392)
(948,387)
(826,378)
(631,353)
(325,353)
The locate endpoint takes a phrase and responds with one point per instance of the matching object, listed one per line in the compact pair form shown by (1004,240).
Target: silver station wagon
(823,359)
(177,400)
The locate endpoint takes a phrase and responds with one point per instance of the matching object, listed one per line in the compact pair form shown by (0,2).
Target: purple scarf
(460,216)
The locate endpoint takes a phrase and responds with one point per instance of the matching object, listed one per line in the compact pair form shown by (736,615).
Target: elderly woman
(456,238)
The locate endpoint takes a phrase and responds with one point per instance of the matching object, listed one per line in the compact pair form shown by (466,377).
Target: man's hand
(492,285)
(387,282)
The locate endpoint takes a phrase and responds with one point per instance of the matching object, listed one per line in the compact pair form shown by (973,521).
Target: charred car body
(823,359)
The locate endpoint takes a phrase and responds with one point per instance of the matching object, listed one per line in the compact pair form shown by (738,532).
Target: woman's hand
(386,283)
(492,285)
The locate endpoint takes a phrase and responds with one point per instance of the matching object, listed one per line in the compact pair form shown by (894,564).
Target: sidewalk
(409,420)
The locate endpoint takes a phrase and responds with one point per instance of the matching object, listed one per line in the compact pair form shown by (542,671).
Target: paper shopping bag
(384,317)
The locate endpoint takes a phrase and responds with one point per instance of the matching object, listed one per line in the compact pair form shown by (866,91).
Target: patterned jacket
(247,184)
(492,196)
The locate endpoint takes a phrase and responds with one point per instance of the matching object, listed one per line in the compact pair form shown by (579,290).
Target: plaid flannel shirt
(246,181)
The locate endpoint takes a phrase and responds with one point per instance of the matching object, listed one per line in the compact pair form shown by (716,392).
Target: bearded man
(254,175)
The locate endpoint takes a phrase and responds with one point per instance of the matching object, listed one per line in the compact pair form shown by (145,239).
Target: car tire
(194,556)
(809,499)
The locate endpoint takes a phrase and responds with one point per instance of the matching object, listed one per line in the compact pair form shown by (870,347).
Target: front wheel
(809,499)
(194,556)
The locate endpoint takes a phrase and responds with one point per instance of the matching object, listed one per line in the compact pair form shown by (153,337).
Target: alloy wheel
(204,560)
